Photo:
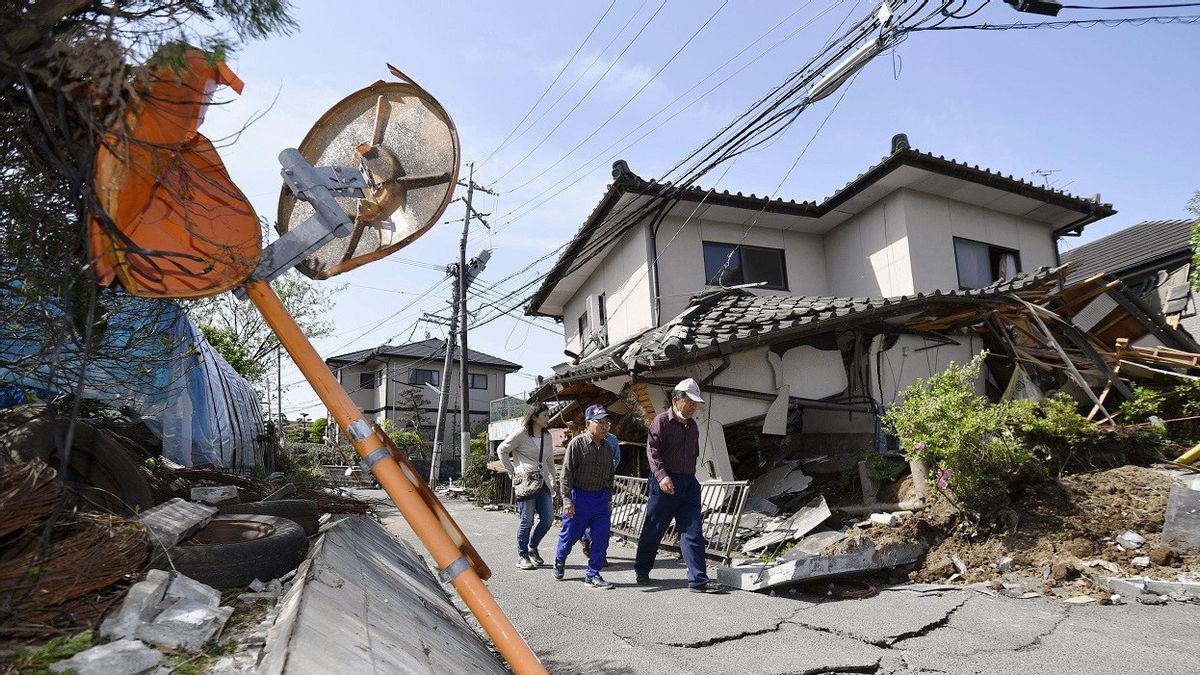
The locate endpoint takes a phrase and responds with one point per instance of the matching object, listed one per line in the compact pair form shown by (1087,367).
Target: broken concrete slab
(1181,528)
(1130,540)
(813,544)
(185,625)
(186,588)
(141,604)
(885,519)
(1139,585)
(123,657)
(864,558)
(175,520)
(215,495)
(783,479)
(797,525)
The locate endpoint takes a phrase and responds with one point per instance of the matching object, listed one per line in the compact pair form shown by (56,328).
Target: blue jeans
(544,507)
(591,510)
(684,508)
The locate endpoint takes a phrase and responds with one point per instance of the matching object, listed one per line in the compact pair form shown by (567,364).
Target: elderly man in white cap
(672,448)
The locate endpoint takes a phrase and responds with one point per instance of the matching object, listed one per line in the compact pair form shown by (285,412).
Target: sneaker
(537,559)
(525,563)
(587,548)
(560,568)
(643,579)
(597,582)
(708,587)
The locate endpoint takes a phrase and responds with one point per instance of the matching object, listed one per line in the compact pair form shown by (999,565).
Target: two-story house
(791,314)
(401,383)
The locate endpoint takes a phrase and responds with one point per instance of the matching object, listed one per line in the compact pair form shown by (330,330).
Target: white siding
(868,255)
(624,280)
(933,222)
(681,258)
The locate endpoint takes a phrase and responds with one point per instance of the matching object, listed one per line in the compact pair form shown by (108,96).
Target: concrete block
(1005,564)
(186,588)
(185,626)
(123,657)
(886,519)
(867,558)
(1181,529)
(141,604)
(1141,561)
(173,521)
(1130,540)
(218,494)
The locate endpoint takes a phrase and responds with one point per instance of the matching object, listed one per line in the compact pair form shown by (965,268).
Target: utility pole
(465,276)
(279,383)
(444,394)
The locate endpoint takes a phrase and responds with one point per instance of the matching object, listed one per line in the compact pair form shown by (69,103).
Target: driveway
(663,628)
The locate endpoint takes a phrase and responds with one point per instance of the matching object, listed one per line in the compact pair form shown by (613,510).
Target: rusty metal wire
(66,575)
(168,483)
(28,493)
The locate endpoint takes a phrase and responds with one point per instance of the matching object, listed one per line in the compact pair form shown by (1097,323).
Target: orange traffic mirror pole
(453,562)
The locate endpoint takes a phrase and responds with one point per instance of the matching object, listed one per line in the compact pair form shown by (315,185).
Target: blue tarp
(150,361)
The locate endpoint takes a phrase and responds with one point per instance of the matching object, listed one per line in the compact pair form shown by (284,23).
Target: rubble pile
(60,570)
(169,482)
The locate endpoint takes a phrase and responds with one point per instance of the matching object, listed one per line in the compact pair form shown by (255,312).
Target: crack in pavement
(928,628)
(730,638)
(1037,640)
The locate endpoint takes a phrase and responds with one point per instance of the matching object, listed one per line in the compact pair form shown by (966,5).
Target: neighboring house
(791,314)
(1153,260)
(401,383)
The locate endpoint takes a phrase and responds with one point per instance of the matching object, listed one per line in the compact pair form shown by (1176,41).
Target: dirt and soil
(1062,526)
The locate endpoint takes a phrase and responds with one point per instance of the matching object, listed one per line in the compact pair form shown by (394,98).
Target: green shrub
(299,465)
(478,477)
(1168,403)
(965,439)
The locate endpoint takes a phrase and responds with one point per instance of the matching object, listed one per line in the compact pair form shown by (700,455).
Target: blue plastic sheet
(149,360)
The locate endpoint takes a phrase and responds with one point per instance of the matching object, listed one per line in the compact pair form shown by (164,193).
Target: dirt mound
(1054,533)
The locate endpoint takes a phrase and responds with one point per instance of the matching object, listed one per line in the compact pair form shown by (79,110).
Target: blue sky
(1111,110)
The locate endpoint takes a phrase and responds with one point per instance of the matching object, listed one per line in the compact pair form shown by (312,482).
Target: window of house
(368,380)
(583,326)
(600,303)
(422,376)
(733,264)
(477,380)
(981,264)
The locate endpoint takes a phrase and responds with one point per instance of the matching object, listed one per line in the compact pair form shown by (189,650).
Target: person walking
(587,476)
(528,452)
(615,444)
(672,448)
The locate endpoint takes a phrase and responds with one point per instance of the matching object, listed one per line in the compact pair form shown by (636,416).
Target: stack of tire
(244,542)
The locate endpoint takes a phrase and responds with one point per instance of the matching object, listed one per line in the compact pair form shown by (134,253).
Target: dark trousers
(684,508)
(592,509)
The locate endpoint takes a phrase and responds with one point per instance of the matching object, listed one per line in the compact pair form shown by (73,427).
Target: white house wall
(624,279)
(909,360)
(933,222)
(681,258)
(868,255)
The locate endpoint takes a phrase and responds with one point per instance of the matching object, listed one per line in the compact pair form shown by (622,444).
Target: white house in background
(380,381)
(807,339)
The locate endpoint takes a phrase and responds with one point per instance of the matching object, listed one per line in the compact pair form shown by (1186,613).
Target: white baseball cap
(691,388)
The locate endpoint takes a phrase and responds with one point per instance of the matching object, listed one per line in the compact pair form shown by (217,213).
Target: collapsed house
(804,321)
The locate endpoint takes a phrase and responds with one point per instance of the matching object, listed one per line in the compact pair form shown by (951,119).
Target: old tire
(301,511)
(235,549)
(105,473)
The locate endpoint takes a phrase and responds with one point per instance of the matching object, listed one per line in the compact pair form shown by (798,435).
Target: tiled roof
(739,319)
(585,242)
(432,349)
(1130,248)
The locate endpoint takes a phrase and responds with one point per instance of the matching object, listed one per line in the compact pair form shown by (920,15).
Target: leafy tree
(316,432)
(1194,207)
(235,352)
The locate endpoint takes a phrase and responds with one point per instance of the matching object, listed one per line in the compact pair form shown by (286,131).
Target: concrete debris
(797,525)
(1181,529)
(783,479)
(1183,590)
(216,495)
(1152,599)
(175,520)
(1130,540)
(760,505)
(813,544)
(1080,600)
(865,557)
(123,657)
(1006,564)
(959,565)
(1108,565)
(257,586)
(886,519)
(1140,561)
(168,610)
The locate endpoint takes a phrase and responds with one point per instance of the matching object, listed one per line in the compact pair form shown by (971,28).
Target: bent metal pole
(399,487)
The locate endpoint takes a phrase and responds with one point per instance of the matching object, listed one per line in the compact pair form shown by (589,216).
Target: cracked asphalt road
(663,628)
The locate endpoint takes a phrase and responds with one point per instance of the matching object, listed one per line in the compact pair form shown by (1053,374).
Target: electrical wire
(1083,23)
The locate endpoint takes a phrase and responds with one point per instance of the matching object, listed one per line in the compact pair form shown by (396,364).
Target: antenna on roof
(1045,175)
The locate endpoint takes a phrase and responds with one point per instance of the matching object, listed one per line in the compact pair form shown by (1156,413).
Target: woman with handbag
(528,458)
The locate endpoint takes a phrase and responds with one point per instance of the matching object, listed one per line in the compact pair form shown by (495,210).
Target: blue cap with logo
(595,412)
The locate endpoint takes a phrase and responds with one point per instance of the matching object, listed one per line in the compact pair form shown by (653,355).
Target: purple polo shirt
(672,445)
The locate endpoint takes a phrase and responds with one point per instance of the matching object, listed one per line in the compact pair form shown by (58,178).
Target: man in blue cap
(587,476)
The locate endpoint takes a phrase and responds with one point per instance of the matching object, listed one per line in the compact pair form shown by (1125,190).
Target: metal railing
(507,408)
(722,503)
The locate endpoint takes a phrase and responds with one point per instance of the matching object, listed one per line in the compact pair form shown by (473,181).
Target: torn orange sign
(177,225)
